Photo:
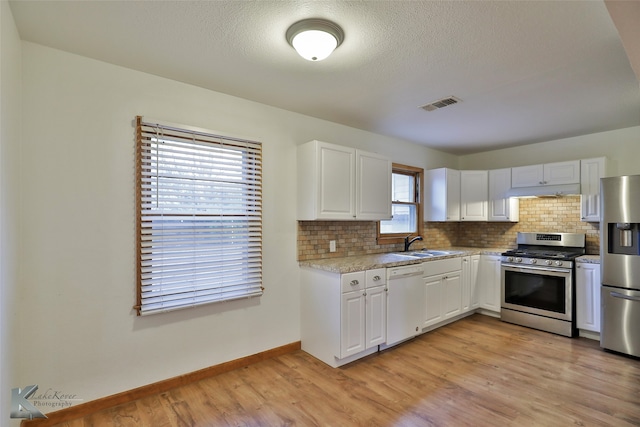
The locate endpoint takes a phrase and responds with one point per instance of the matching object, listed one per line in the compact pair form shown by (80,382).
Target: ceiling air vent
(441,103)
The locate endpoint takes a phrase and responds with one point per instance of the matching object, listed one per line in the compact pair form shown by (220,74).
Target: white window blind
(199,218)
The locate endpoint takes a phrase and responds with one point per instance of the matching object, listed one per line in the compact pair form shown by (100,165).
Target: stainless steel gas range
(538,281)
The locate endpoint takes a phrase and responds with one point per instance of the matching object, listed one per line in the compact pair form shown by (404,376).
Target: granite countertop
(589,259)
(384,260)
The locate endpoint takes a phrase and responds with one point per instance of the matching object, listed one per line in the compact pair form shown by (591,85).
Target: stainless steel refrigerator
(620,269)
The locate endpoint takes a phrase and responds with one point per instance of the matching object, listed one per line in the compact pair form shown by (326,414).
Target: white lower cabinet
(452,294)
(343,316)
(352,315)
(489,282)
(442,290)
(375,308)
(588,296)
(432,300)
(470,288)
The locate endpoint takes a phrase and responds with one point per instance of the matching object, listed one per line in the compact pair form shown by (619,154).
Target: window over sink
(406,205)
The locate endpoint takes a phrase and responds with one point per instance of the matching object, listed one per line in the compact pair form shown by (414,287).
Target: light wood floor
(476,372)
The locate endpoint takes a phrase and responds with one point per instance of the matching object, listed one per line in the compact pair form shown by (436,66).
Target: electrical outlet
(332,246)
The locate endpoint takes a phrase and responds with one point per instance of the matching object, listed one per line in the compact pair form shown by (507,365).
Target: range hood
(545,191)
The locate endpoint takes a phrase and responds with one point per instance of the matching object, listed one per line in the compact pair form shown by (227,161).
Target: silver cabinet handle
(354,283)
(376,278)
(623,296)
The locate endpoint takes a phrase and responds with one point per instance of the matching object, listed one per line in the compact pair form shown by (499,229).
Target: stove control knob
(558,263)
(533,261)
(548,262)
(518,259)
(510,259)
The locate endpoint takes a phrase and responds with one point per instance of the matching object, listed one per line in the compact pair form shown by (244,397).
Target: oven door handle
(524,269)
(623,296)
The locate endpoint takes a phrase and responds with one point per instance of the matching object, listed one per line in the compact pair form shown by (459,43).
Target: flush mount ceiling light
(314,39)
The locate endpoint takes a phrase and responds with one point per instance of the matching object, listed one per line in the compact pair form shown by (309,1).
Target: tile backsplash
(561,214)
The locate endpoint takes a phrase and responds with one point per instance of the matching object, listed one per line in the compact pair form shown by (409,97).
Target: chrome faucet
(408,242)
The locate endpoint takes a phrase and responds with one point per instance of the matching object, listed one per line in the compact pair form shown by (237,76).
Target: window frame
(198,217)
(418,174)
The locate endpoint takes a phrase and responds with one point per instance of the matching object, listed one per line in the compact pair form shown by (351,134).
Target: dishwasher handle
(400,272)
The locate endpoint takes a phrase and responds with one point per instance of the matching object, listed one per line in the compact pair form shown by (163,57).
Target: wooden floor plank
(475,372)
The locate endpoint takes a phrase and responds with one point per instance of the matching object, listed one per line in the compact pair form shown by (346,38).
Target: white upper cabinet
(474,193)
(373,186)
(562,173)
(559,173)
(342,183)
(501,207)
(527,176)
(442,195)
(591,170)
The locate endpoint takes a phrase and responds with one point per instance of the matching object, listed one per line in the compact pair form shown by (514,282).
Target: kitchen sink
(425,253)
(439,253)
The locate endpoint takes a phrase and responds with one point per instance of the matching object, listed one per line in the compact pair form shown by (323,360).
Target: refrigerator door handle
(619,295)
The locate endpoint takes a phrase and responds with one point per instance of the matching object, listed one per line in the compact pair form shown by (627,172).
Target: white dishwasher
(404,302)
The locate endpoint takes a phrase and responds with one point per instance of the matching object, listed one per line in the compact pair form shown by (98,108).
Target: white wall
(78,241)
(621,146)
(10,60)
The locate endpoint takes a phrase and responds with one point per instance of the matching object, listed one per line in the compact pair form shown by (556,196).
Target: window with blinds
(199,219)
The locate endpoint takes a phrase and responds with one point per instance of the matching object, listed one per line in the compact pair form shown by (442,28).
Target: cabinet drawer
(375,277)
(352,281)
(441,266)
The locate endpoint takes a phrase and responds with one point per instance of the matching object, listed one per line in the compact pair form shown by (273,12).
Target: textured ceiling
(525,71)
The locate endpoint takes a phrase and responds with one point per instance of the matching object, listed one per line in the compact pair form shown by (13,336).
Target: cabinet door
(453,195)
(376,316)
(442,195)
(336,169)
(501,207)
(352,323)
(588,296)
(432,300)
(373,186)
(466,284)
(591,170)
(474,195)
(562,173)
(489,281)
(527,176)
(452,294)
(470,288)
